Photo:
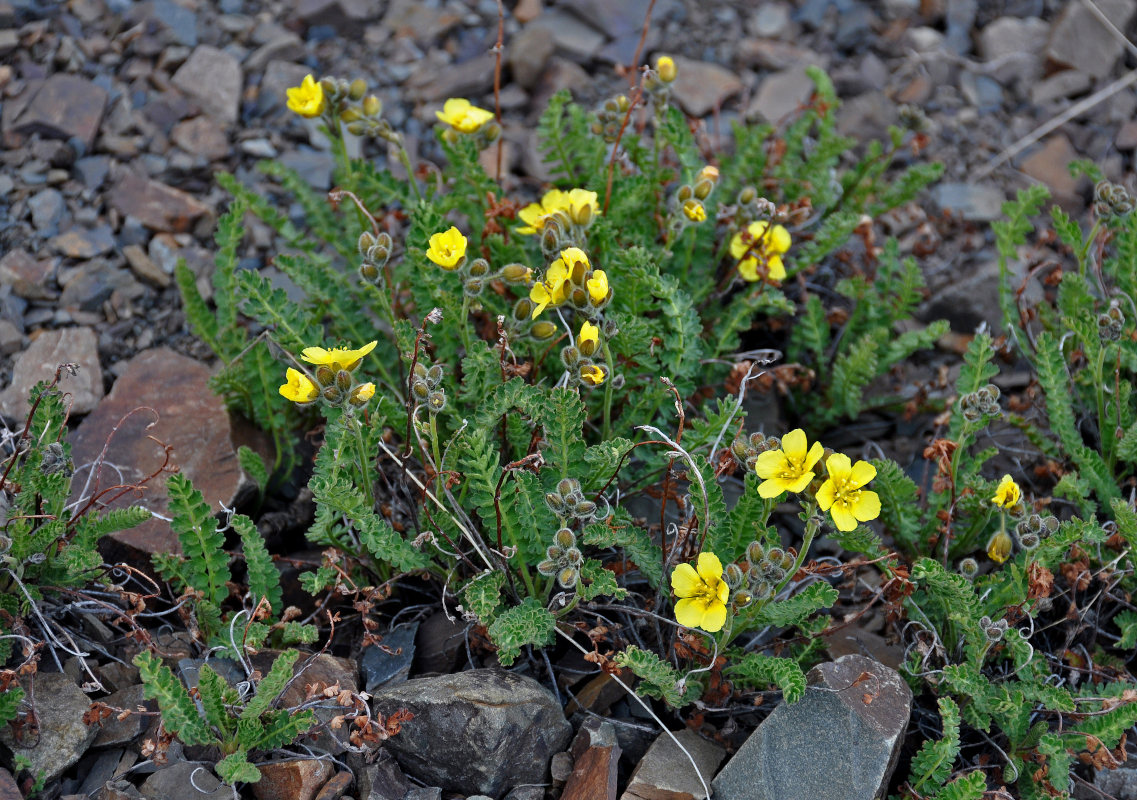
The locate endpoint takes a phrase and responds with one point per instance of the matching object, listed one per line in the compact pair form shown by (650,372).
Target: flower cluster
(374,252)
(1033,529)
(1111,199)
(567,501)
(447,249)
(702,593)
(462,118)
(560,218)
(766,569)
(610,118)
(562,559)
(334,376)
(983,402)
(759,249)
(338,100)
(578,358)
(791,469)
(426,386)
(571,279)
(746,449)
(688,201)
(657,83)
(1111,323)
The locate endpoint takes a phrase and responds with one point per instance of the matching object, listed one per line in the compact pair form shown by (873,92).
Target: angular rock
(82,242)
(1007,36)
(418,20)
(429,793)
(325,670)
(437,644)
(93,283)
(665,772)
(467,79)
(114,731)
(1067,83)
(595,757)
(841,741)
(780,95)
(144,267)
(295,779)
(27,276)
(528,52)
(185,780)
(173,392)
(597,695)
(1120,783)
(977,203)
(1080,40)
(157,206)
(389,662)
(336,787)
(382,780)
(8,788)
(11,338)
(573,38)
(43,357)
(278,77)
(702,86)
(66,106)
(97,769)
(1050,165)
(482,731)
(47,210)
(212,78)
(346,16)
(1126,140)
(63,736)
(201,136)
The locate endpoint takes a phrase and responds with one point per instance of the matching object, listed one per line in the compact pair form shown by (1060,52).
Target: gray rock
(314,166)
(11,338)
(39,362)
(665,771)
(438,642)
(63,736)
(974,202)
(428,793)
(1080,40)
(960,19)
(780,95)
(47,210)
(65,107)
(574,38)
(114,731)
(92,284)
(181,21)
(389,662)
(185,780)
(770,21)
(839,742)
(382,780)
(93,170)
(528,53)
(702,86)
(27,276)
(526,793)
(202,137)
(212,78)
(1067,83)
(466,79)
(79,242)
(97,769)
(483,731)
(1120,783)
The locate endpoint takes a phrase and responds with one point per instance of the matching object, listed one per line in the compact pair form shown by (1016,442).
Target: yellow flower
(583,206)
(461,115)
(588,339)
(580,205)
(338,358)
(363,393)
(592,375)
(842,494)
(447,248)
(1008,494)
(999,548)
(299,388)
(703,594)
(598,286)
(761,243)
(552,290)
(789,469)
(694,210)
(307,99)
(666,68)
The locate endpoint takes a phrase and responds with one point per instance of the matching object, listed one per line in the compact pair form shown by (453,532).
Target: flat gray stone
(666,772)
(701,86)
(39,362)
(63,736)
(66,106)
(841,741)
(1080,40)
(212,78)
(484,730)
(780,95)
(974,202)
(185,780)
(389,662)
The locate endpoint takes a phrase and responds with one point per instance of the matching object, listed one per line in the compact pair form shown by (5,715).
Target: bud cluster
(362,113)
(338,387)
(1110,199)
(568,502)
(688,201)
(913,118)
(657,83)
(747,448)
(1033,529)
(969,568)
(562,559)
(983,402)
(1111,323)
(375,252)
(565,228)
(767,569)
(994,630)
(610,118)
(426,386)
(752,207)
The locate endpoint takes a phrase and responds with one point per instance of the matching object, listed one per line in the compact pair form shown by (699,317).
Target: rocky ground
(117,115)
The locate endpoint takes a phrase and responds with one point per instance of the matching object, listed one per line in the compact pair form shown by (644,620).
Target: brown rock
(702,86)
(346,16)
(597,695)
(156,205)
(212,78)
(595,757)
(82,242)
(201,136)
(27,276)
(665,772)
(144,267)
(171,391)
(1080,40)
(43,357)
(416,19)
(335,788)
(1050,165)
(527,10)
(780,95)
(528,52)
(8,788)
(65,106)
(1126,139)
(114,731)
(297,779)
(468,79)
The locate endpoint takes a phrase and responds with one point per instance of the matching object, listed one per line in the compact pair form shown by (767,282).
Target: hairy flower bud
(542,329)
(372,106)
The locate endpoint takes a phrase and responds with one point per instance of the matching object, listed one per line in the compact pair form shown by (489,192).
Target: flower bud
(547,568)
(420,369)
(474,287)
(666,68)
(703,188)
(324,375)
(582,215)
(366,242)
(585,508)
(515,273)
(350,115)
(579,298)
(343,380)
(434,375)
(362,394)
(748,195)
(708,173)
(357,89)
(573,555)
(372,106)
(969,568)
(542,330)
(522,309)
(420,390)
(491,131)
(357,129)
(479,267)
(331,394)
(755,553)
(570,357)
(684,193)
(567,577)
(369,272)
(436,402)
(565,538)
(733,576)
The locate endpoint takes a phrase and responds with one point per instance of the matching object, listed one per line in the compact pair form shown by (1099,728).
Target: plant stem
(690,252)
(1084,254)
(437,456)
(364,467)
(405,159)
(608,391)
(464,323)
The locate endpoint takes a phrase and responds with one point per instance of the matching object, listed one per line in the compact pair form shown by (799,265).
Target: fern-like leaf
(527,624)
(207,565)
(179,714)
(235,768)
(757,670)
(262,575)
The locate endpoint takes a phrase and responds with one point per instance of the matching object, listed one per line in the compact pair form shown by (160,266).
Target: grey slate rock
(63,736)
(389,662)
(185,780)
(841,741)
(484,730)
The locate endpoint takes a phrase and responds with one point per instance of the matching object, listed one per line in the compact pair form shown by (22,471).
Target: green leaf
(563,421)
(932,764)
(212,688)
(277,728)
(527,624)
(235,768)
(657,677)
(179,714)
(207,564)
(482,595)
(596,581)
(972,786)
(10,704)
(261,573)
(253,466)
(792,610)
(1126,621)
(271,685)
(757,670)
(620,531)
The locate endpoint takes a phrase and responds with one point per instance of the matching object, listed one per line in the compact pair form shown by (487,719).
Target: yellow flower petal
(709,567)
(714,617)
(826,495)
(793,445)
(299,389)
(598,286)
(861,473)
(307,99)
(690,611)
(838,467)
(842,517)
(463,116)
(338,358)
(685,581)
(999,548)
(868,506)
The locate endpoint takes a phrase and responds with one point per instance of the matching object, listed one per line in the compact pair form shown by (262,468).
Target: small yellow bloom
(597,286)
(461,115)
(708,173)
(703,594)
(307,99)
(447,249)
(694,210)
(789,469)
(592,375)
(1008,495)
(553,289)
(583,206)
(579,205)
(842,494)
(337,358)
(763,244)
(999,548)
(363,393)
(666,68)
(299,388)
(588,339)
